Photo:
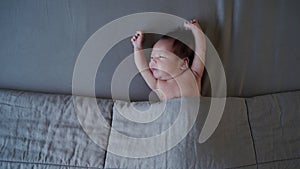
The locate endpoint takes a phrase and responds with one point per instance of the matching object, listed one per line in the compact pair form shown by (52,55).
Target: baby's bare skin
(167,74)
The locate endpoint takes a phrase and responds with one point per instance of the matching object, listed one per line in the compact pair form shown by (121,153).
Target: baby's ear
(185,63)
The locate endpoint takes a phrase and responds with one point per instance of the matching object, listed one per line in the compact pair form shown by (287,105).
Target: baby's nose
(152,62)
(153,59)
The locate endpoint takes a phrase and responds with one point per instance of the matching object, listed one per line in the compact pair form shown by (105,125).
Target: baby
(174,69)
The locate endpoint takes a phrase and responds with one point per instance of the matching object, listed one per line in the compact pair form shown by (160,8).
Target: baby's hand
(137,40)
(192,25)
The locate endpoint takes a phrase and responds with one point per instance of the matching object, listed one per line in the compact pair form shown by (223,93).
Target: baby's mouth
(153,69)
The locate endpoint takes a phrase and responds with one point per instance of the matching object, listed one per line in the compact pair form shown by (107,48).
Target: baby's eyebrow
(155,52)
(159,51)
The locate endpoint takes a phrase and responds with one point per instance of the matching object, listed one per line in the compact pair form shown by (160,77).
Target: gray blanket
(45,131)
(42,131)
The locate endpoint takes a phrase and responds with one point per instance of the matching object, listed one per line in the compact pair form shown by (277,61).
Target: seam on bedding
(266,162)
(49,164)
(108,137)
(242,166)
(250,127)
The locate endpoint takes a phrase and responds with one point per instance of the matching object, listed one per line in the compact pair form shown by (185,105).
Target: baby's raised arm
(200,47)
(140,60)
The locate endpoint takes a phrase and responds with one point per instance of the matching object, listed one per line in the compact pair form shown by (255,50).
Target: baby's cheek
(150,64)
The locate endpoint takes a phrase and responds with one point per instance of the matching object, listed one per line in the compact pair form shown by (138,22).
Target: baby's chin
(160,75)
(156,74)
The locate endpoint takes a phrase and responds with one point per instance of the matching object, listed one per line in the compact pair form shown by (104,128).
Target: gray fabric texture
(26,165)
(229,146)
(275,120)
(42,131)
(288,163)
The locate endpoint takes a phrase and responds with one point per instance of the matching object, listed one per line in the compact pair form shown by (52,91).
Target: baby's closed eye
(159,56)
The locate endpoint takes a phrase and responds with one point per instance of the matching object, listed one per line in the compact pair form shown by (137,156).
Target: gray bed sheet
(257,41)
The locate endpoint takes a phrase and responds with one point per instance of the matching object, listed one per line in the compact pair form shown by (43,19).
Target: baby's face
(164,63)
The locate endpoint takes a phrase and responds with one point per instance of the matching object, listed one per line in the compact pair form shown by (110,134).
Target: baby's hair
(184,43)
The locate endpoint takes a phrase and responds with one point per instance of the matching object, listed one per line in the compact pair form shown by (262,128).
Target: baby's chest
(178,89)
(169,90)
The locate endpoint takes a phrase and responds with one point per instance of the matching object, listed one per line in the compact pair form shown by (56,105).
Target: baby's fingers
(139,33)
(134,38)
(193,21)
(196,23)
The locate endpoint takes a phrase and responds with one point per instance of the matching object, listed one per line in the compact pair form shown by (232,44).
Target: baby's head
(172,53)
(182,43)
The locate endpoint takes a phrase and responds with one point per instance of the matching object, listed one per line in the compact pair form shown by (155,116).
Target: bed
(44,124)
